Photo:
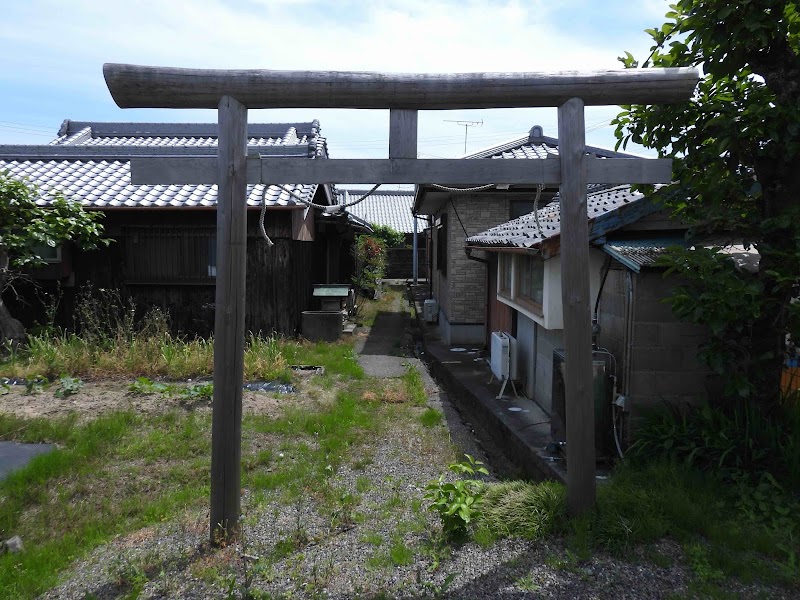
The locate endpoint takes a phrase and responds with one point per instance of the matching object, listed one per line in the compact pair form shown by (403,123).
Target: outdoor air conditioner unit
(430,310)
(503,359)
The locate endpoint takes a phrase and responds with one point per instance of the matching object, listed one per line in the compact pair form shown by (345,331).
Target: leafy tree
(736,147)
(370,258)
(25,224)
(390,236)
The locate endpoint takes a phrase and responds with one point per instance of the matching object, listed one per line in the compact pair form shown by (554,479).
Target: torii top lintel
(134,86)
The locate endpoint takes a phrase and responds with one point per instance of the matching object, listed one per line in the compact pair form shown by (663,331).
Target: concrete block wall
(663,362)
(664,365)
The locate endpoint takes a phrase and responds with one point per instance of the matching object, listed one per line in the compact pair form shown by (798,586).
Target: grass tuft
(529,510)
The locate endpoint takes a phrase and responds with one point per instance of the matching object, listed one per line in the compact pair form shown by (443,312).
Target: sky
(54,52)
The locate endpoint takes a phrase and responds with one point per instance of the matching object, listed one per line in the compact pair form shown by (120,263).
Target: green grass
(172,357)
(415,388)
(75,498)
(316,442)
(638,506)
(431,417)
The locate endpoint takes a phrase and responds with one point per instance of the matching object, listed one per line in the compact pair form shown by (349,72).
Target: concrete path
(386,349)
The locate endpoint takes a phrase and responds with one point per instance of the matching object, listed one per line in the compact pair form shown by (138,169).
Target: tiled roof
(613,207)
(295,138)
(389,208)
(103,181)
(536,145)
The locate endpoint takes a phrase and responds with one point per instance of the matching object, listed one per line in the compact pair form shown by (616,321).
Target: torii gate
(232,92)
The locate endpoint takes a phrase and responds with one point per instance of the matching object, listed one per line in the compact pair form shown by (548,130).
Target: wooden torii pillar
(232,92)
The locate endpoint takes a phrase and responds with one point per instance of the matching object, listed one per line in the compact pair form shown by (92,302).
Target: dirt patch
(99,397)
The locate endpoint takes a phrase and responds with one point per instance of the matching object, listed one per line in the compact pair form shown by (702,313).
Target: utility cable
(539,188)
(464,229)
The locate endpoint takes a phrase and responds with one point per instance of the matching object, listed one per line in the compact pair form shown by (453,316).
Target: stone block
(646,334)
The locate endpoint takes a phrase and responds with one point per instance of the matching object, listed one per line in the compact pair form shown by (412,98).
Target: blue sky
(54,51)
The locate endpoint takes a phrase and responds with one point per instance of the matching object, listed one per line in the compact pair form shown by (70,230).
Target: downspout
(595,320)
(414,259)
(468,252)
(629,313)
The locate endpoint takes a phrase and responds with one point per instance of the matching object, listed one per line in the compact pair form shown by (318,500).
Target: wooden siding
(279,284)
(500,314)
(170,255)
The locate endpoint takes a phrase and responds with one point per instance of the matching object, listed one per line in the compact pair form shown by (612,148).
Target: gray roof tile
(388,208)
(105,183)
(524,232)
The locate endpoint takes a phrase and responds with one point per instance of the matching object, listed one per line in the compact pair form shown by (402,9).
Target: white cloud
(61,48)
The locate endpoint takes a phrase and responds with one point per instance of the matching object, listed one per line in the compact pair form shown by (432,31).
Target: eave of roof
(607,210)
(89,162)
(427,200)
(390,208)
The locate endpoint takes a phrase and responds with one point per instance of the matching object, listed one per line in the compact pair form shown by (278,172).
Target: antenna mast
(466,125)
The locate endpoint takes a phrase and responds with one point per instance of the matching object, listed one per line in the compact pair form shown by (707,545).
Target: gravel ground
(349,556)
(379,541)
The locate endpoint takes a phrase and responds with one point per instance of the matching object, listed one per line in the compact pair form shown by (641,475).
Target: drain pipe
(468,252)
(628,332)
(595,320)
(415,258)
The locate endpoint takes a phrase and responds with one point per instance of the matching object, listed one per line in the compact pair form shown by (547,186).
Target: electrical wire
(539,188)
(464,229)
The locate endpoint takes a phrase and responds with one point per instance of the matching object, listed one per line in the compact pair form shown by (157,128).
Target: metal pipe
(414,260)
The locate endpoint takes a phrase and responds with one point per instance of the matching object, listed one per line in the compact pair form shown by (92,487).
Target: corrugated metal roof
(644,252)
(105,183)
(527,232)
(387,208)
(639,253)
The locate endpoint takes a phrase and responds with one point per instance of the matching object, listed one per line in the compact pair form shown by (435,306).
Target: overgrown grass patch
(639,505)
(173,357)
(100,482)
(315,443)
(412,379)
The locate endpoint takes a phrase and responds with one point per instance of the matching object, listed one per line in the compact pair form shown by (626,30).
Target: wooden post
(403,133)
(577,311)
(226,428)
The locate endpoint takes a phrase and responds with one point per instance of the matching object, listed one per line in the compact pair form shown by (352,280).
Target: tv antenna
(466,125)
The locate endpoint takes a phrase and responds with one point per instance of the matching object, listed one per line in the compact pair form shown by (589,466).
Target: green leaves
(27,222)
(458,502)
(737,150)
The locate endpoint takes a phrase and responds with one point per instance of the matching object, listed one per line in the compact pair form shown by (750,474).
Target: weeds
(68,386)
(414,386)
(458,503)
(431,417)
(529,510)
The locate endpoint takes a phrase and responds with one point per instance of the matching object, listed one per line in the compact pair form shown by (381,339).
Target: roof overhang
(429,200)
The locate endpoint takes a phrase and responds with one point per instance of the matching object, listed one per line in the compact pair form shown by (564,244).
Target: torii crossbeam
(233,92)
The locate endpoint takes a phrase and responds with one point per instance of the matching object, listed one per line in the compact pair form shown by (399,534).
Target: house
(391,208)
(468,310)
(164,250)
(649,351)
